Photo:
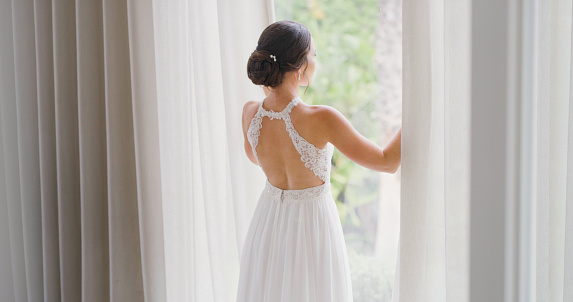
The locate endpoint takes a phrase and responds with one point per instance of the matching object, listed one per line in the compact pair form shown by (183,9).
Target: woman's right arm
(358,148)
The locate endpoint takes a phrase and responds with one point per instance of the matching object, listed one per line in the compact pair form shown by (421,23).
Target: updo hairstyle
(289,42)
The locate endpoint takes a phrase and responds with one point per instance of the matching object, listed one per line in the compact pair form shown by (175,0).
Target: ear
(305,67)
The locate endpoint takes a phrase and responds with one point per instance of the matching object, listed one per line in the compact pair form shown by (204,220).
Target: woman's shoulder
(323,113)
(250,104)
(327,120)
(249,110)
(316,119)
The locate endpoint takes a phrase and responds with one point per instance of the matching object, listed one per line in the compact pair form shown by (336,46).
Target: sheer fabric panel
(434,228)
(553,137)
(123,171)
(434,243)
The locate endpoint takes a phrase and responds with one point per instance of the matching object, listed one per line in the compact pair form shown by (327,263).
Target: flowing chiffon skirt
(294,249)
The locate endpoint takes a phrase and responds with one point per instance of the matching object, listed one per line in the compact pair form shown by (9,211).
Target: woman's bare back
(318,125)
(275,149)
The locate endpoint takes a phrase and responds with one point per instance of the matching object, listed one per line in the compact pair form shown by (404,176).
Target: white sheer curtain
(434,227)
(552,152)
(435,248)
(123,176)
(224,184)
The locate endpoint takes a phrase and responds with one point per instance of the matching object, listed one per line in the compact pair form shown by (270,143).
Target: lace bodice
(318,160)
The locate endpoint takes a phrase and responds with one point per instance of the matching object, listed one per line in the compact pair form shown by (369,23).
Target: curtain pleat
(568,231)
(222,36)
(125,268)
(6,281)
(124,176)
(209,176)
(92,152)
(172,62)
(552,135)
(434,230)
(457,148)
(416,36)
(6,278)
(14,282)
(240,24)
(146,135)
(568,238)
(434,239)
(542,139)
(67,147)
(47,140)
(28,151)
(553,41)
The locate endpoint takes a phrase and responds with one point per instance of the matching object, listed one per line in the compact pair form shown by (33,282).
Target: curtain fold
(434,228)
(226,184)
(27,113)
(145,102)
(123,171)
(92,152)
(125,270)
(552,175)
(434,239)
(47,140)
(13,257)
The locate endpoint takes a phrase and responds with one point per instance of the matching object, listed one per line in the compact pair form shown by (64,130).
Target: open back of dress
(294,249)
(281,144)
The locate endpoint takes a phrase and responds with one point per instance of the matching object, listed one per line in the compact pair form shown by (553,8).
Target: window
(359,72)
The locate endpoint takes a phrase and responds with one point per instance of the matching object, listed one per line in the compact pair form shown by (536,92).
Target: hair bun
(282,47)
(262,69)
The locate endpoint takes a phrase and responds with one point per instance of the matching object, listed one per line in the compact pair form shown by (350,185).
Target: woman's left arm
(246,123)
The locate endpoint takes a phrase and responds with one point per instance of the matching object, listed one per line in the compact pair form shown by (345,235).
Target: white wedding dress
(294,250)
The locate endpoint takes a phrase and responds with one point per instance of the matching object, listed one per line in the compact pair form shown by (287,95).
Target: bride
(294,249)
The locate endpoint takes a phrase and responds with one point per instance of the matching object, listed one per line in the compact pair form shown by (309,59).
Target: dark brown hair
(289,42)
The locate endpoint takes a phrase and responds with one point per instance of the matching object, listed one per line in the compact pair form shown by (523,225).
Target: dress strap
(256,123)
(279,115)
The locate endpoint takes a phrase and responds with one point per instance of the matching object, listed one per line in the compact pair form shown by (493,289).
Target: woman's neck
(283,94)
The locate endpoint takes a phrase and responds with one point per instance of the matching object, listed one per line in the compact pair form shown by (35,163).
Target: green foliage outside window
(353,38)
(345,78)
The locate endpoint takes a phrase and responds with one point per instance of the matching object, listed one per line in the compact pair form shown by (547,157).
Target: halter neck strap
(279,115)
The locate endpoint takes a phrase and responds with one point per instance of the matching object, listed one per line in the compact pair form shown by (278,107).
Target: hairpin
(274,57)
